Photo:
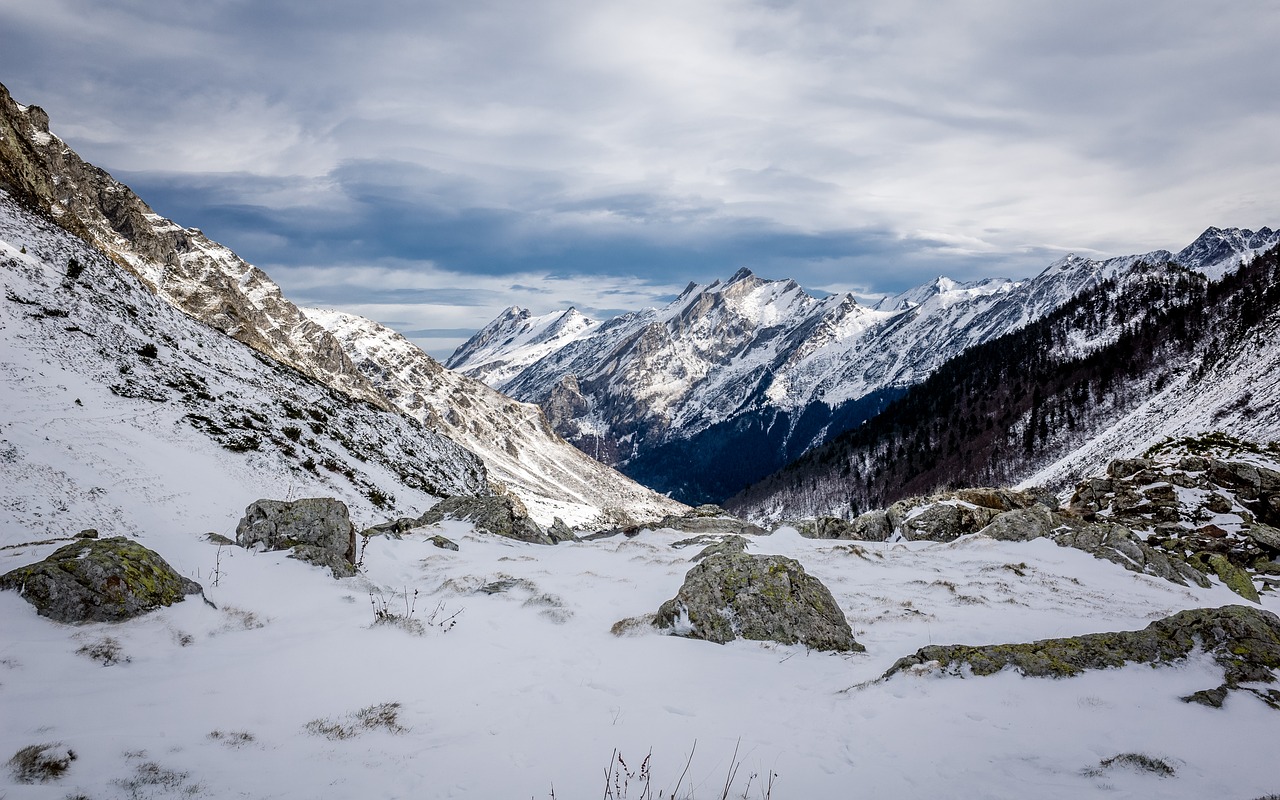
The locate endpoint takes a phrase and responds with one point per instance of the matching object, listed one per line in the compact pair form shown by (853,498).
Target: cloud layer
(603,153)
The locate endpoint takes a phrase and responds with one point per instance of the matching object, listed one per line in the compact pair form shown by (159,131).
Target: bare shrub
(41,763)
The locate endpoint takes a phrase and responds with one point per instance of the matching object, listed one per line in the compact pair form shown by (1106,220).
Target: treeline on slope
(990,415)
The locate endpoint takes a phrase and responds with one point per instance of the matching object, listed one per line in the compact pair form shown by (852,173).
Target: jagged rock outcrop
(731,594)
(1244,641)
(317,529)
(502,515)
(99,580)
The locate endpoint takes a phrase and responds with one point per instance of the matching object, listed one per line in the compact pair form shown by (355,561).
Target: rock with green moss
(498,514)
(1235,578)
(321,522)
(766,598)
(729,545)
(99,580)
(1244,641)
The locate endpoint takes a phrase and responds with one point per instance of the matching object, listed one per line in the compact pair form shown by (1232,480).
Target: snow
(530,689)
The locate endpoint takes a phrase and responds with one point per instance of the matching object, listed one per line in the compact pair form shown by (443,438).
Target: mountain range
(731,381)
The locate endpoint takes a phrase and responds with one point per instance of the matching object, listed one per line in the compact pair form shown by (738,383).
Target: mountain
(1157,351)
(514,440)
(732,381)
(214,286)
(123,413)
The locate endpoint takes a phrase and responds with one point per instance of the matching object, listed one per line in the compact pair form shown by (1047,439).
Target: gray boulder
(99,580)
(1245,642)
(766,598)
(872,526)
(497,514)
(941,521)
(560,532)
(729,545)
(1022,525)
(319,522)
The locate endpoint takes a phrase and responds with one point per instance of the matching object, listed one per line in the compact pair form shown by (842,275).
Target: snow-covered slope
(553,478)
(760,366)
(123,414)
(529,694)
(198,276)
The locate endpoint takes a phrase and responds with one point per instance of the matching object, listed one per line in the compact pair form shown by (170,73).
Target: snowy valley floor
(530,692)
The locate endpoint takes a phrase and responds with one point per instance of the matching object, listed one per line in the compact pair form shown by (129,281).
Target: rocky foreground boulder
(731,594)
(498,514)
(317,529)
(99,580)
(1244,640)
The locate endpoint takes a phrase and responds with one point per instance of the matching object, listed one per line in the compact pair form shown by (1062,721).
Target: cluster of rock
(1182,519)
(730,594)
(1217,515)
(1245,642)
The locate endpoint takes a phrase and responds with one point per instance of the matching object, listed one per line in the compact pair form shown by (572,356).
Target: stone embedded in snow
(710,519)
(318,529)
(498,514)
(1244,641)
(731,595)
(99,580)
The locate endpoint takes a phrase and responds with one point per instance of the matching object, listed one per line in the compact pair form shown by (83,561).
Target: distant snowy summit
(732,380)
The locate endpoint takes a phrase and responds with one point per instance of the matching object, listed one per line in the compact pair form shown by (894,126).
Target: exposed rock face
(318,529)
(731,594)
(498,514)
(102,580)
(1244,641)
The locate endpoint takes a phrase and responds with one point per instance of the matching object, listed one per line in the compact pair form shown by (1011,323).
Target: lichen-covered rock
(825,528)
(1244,641)
(498,514)
(1265,535)
(1233,577)
(99,580)
(766,598)
(283,525)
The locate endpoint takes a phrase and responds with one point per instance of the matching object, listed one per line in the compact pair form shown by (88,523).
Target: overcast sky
(427,164)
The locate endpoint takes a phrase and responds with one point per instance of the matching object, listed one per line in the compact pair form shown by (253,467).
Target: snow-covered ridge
(517,445)
(121,413)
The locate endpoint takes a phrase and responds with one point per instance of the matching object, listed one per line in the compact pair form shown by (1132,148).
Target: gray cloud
(846,144)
